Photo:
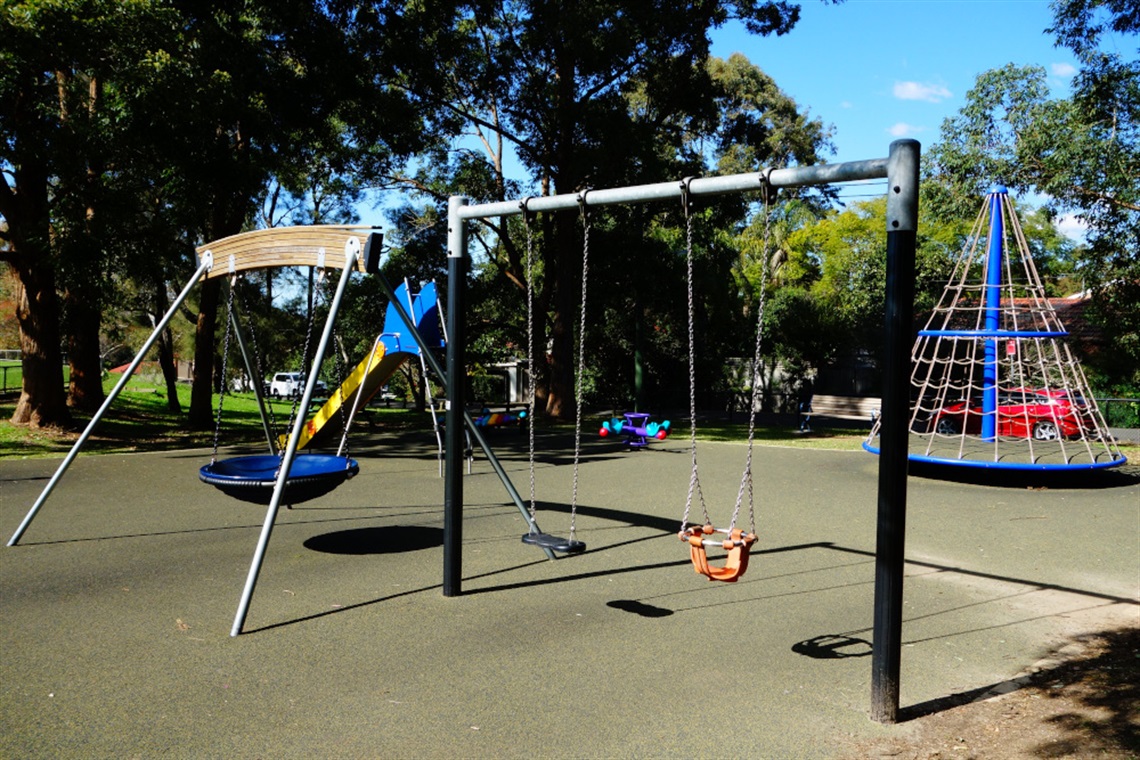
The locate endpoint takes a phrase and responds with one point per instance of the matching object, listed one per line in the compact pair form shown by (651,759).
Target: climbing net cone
(993,382)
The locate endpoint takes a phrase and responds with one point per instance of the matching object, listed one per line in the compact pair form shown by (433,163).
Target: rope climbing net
(994,382)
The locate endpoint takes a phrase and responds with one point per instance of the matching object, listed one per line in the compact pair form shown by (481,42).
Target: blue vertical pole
(993,317)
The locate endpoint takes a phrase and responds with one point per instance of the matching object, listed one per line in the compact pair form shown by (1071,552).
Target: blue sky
(879,70)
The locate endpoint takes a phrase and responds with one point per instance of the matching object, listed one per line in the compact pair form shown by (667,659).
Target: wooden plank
(845,407)
(284,247)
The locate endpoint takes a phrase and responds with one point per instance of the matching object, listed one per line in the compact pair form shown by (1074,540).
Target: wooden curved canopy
(284,247)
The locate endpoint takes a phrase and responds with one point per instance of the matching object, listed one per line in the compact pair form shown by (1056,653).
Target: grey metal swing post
(900,169)
(429,358)
(204,266)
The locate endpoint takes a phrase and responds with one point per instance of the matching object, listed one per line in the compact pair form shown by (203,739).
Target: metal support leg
(352,253)
(206,264)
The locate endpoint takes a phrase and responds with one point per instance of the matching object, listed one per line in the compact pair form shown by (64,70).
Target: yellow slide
(369,376)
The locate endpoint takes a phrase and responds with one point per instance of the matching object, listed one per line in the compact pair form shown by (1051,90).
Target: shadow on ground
(1082,705)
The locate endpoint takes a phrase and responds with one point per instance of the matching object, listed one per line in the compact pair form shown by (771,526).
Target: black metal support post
(457,262)
(901,170)
(472,428)
(902,227)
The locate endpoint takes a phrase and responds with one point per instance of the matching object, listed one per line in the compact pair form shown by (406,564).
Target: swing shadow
(352,542)
(1073,479)
(392,539)
(407,510)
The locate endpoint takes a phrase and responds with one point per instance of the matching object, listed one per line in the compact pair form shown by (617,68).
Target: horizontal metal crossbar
(799,176)
(993,333)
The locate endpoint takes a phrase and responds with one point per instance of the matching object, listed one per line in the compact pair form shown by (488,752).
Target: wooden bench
(864,408)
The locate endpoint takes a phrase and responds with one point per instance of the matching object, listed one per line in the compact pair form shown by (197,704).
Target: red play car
(1044,415)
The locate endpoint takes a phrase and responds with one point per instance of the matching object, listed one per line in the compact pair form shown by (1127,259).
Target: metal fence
(11,376)
(12,373)
(1122,415)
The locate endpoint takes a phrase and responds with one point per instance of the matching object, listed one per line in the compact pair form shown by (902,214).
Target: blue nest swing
(253,478)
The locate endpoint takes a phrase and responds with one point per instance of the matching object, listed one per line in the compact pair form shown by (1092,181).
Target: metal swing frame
(275,247)
(901,170)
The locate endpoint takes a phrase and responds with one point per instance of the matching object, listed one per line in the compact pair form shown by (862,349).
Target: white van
(286,384)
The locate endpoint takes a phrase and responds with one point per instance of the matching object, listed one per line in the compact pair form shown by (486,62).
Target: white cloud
(931,93)
(847,104)
(1063,69)
(1072,227)
(902,129)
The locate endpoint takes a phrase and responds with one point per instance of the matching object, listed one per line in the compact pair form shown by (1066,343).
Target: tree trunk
(169,370)
(419,388)
(228,221)
(201,414)
(566,302)
(166,352)
(566,241)
(85,389)
(43,402)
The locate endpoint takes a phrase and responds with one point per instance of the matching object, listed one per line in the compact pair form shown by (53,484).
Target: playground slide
(394,347)
(369,377)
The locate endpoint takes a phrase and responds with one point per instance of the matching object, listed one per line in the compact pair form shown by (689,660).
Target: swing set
(900,169)
(307,246)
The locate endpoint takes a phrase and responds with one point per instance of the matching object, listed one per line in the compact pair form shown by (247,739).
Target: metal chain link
(694,477)
(225,358)
(746,479)
(581,359)
(531,374)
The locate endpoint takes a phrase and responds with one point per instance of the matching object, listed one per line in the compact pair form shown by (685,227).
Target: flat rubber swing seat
(737,545)
(555,543)
(253,478)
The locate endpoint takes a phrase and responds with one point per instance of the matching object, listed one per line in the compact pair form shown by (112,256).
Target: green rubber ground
(115,609)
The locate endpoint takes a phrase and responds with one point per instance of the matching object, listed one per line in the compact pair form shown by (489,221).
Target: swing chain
(768,195)
(305,352)
(585,214)
(694,477)
(225,358)
(531,374)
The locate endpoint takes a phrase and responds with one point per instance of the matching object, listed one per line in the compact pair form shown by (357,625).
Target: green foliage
(584,96)
(759,124)
(1082,153)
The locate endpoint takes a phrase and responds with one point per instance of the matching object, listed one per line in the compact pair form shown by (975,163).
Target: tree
(1081,152)
(58,127)
(589,94)
(166,118)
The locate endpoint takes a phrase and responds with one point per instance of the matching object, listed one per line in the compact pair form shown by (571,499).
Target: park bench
(865,408)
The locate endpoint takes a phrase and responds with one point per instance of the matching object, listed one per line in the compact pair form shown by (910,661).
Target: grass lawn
(139,420)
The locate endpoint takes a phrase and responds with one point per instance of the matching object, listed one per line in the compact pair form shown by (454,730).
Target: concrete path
(115,609)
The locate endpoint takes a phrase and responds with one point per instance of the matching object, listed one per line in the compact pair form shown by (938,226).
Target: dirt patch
(1082,702)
